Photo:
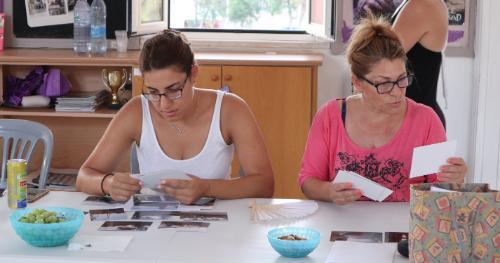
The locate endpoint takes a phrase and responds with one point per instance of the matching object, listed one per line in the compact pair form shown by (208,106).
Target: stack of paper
(368,187)
(82,101)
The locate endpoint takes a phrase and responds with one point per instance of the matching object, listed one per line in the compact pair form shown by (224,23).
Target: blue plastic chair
(19,138)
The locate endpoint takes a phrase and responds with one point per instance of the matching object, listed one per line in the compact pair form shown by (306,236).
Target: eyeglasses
(173,93)
(387,87)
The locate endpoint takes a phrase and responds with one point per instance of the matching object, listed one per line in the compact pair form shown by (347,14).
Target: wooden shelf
(50,112)
(66,57)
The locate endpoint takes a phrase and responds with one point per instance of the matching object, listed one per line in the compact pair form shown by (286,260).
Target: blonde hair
(373,40)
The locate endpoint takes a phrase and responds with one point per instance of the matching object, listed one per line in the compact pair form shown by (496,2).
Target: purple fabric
(18,88)
(1,6)
(54,84)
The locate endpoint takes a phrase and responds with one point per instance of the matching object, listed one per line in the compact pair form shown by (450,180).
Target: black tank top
(425,64)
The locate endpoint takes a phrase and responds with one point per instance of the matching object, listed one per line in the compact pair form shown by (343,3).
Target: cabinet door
(209,77)
(281,99)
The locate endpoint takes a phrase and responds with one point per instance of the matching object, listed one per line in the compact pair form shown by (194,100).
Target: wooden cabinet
(279,88)
(283,101)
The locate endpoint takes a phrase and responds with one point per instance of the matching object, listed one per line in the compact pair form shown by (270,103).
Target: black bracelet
(102,182)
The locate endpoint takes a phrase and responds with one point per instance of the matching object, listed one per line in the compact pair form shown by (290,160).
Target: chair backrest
(19,138)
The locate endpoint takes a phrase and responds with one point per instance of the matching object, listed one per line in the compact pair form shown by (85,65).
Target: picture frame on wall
(461,22)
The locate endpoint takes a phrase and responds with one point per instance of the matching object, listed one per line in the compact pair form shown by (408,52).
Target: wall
(487,109)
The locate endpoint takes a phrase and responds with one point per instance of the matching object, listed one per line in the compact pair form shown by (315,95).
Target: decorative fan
(292,210)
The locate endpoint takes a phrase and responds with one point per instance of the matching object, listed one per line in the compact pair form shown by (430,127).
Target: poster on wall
(49,12)
(458,17)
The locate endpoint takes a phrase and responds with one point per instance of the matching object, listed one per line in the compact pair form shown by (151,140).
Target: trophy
(114,80)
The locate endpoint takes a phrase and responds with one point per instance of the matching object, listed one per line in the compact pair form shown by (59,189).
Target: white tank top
(213,162)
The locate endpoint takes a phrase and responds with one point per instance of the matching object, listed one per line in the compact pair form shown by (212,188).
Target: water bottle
(81,27)
(98,44)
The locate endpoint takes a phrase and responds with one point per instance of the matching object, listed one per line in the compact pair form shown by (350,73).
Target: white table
(237,240)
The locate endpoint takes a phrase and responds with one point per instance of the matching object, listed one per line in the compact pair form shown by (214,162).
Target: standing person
(178,126)
(373,132)
(422,26)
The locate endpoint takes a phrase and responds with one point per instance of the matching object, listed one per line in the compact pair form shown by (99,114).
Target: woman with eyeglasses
(374,132)
(177,126)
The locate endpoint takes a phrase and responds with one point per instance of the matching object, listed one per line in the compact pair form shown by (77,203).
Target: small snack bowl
(293,242)
(48,230)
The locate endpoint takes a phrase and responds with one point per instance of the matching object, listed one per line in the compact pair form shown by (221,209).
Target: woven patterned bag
(458,226)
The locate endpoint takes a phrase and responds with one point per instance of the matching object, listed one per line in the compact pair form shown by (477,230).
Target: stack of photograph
(82,101)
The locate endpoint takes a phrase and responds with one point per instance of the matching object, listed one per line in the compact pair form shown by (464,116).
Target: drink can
(16,183)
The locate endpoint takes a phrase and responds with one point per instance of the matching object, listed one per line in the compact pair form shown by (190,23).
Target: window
(237,15)
(273,16)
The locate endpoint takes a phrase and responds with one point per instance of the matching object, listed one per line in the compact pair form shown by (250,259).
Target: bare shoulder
(233,104)
(129,117)
(132,109)
(427,7)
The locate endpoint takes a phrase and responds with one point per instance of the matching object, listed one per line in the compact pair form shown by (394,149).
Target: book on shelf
(82,101)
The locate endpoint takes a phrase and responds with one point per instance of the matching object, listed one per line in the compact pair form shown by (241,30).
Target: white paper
(438,189)
(427,159)
(360,252)
(368,187)
(153,179)
(99,243)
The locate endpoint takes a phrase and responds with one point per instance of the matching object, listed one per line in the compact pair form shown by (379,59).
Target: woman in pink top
(373,132)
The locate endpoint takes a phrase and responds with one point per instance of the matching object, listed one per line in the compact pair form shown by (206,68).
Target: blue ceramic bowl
(294,248)
(48,235)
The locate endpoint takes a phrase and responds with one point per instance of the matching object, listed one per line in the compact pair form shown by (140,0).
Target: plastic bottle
(98,45)
(81,27)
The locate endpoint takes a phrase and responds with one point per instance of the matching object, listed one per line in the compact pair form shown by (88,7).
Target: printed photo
(380,8)
(125,226)
(57,7)
(367,237)
(204,216)
(456,12)
(49,12)
(154,202)
(205,201)
(394,237)
(36,7)
(107,214)
(71,5)
(101,200)
(154,215)
(185,225)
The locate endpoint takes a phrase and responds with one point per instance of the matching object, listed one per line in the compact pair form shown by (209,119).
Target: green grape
(42,216)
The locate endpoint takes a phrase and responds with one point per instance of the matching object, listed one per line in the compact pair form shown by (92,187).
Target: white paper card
(99,243)
(153,179)
(427,159)
(368,187)
(438,189)
(361,252)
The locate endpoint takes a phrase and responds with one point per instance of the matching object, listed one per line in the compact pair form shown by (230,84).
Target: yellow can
(16,183)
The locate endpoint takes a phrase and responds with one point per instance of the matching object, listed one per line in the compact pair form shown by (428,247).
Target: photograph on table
(184,225)
(154,215)
(125,226)
(107,214)
(101,201)
(368,237)
(204,216)
(154,202)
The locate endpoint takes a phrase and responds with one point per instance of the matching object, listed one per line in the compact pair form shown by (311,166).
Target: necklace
(179,130)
